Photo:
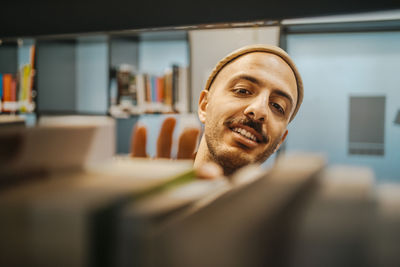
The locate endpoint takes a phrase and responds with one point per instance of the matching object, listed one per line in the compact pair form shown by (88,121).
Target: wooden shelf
(36,18)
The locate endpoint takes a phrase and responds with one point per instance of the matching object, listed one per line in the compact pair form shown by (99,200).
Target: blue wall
(92,74)
(156,56)
(335,67)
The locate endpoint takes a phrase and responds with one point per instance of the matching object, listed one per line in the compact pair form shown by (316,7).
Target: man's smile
(245,133)
(248,129)
(246,136)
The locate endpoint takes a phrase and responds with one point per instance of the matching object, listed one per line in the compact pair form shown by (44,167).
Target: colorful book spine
(32,72)
(161,94)
(141,91)
(25,87)
(32,62)
(153,89)
(168,88)
(175,84)
(7,91)
(160,89)
(147,87)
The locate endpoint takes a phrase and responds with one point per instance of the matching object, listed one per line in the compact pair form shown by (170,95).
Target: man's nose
(257,110)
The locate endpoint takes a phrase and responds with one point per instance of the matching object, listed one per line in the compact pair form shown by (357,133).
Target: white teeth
(245,133)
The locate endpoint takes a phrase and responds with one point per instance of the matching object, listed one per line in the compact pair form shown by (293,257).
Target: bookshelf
(17,78)
(78,75)
(149,73)
(82,73)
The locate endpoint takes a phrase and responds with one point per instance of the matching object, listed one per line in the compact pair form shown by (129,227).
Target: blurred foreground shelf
(74,207)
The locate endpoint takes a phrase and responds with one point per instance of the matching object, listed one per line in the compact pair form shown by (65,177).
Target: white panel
(364,16)
(209,46)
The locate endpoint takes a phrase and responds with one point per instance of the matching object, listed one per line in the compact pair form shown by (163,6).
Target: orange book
(160,89)
(7,90)
(7,80)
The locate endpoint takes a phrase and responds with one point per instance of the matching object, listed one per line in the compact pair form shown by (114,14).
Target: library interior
(90,175)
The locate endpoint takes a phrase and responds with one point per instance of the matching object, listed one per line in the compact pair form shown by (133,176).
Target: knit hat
(260,48)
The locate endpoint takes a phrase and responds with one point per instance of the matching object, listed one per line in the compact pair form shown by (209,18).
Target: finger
(138,144)
(209,170)
(164,141)
(187,143)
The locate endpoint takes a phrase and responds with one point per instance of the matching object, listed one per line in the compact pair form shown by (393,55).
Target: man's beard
(232,162)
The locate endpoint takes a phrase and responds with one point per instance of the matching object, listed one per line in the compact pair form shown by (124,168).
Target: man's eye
(278,108)
(241,91)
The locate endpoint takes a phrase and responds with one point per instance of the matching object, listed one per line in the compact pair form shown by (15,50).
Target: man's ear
(202,110)
(283,139)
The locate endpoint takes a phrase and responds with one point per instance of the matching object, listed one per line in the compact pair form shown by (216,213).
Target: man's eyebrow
(246,77)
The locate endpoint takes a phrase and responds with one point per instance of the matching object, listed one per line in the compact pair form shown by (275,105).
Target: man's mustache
(257,126)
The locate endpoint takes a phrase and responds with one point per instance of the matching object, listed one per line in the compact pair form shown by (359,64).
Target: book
(7,92)
(149,93)
(175,86)
(160,89)
(57,219)
(385,245)
(338,217)
(66,208)
(148,90)
(25,87)
(56,144)
(143,212)
(233,227)
(141,93)
(16,92)
(168,88)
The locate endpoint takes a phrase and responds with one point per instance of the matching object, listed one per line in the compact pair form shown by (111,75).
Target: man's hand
(186,145)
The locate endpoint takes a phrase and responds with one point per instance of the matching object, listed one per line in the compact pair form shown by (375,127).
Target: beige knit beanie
(260,48)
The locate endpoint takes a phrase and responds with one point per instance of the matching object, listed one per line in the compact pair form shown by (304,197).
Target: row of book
(87,207)
(137,93)
(16,89)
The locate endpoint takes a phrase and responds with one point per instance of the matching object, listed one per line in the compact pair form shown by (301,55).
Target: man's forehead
(260,61)
(260,48)
(264,69)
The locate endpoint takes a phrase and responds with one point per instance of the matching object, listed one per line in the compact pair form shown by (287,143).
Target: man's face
(247,109)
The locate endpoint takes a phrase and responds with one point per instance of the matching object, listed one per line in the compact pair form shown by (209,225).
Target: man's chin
(231,155)
(233,159)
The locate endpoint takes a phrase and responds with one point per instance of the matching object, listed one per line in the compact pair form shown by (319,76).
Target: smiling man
(249,99)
